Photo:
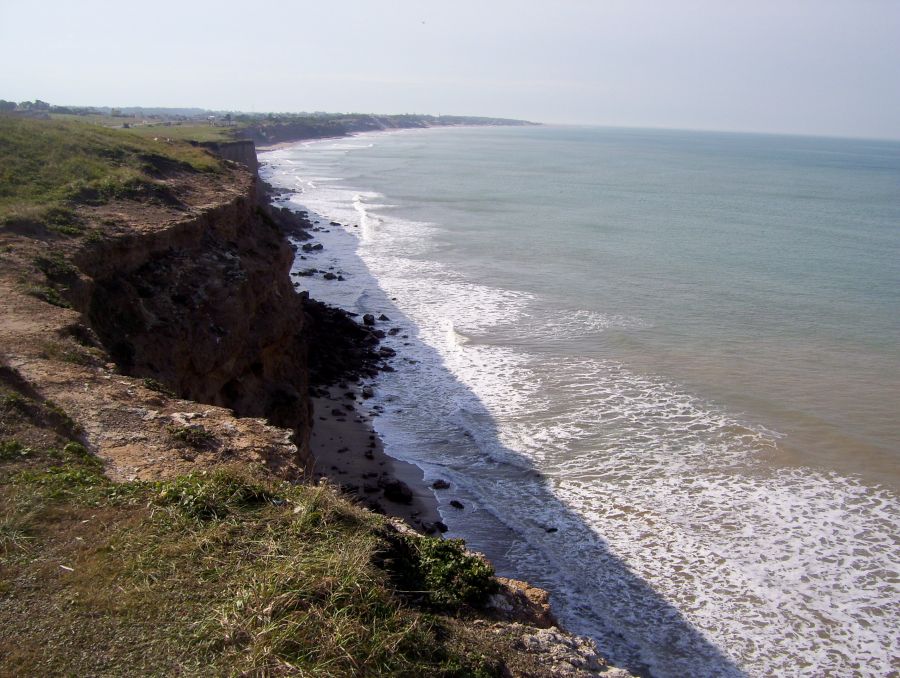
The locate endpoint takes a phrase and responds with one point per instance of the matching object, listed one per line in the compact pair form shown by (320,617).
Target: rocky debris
(561,653)
(383,317)
(368,392)
(368,320)
(396,491)
(340,349)
(394,331)
(440,484)
(309,247)
(330,276)
(386,352)
(437,526)
(520,601)
(456,504)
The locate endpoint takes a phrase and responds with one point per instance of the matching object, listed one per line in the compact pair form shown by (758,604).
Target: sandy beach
(350,454)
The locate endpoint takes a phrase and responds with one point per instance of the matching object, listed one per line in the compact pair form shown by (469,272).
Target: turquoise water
(681,350)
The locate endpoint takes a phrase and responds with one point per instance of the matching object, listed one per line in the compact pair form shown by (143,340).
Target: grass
(47,165)
(188,131)
(221,573)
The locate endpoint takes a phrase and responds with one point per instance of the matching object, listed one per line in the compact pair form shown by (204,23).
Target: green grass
(47,164)
(220,573)
(183,132)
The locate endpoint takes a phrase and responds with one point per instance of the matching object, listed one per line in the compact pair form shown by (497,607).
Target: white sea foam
(648,511)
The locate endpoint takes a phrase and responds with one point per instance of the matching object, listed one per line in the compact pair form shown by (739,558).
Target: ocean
(660,369)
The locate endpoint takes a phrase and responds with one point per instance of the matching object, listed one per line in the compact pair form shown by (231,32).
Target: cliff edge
(155,510)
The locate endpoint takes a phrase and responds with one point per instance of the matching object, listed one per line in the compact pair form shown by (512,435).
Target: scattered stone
(386,352)
(397,491)
(368,320)
(337,413)
(456,504)
(330,276)
(334,223)
(551,530)
(383,317)
(440,484)
(367,392)
(394,331)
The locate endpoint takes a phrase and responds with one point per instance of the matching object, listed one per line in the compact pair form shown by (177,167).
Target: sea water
(660,369)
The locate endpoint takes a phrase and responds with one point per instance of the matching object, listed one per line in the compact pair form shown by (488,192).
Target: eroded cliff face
(182,316)
(207,308)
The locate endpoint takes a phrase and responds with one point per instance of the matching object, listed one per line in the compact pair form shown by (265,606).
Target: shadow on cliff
(539,537)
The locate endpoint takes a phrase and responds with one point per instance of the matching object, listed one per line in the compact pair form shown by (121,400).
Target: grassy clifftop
(46,163)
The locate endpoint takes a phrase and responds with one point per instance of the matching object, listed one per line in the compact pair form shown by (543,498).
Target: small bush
(451,575)
(154,385)
(13,449)
(55,266)
(214,496)
(48,294)
(439,569)
(195,436)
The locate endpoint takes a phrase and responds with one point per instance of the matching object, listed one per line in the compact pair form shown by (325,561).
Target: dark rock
(386,352)
(397,491)
(337,413)
(456,504)
(383,317)
(367,392)
(552,529)
(368,319)
(440,484)
(379,334)
(334,223)
(394,331)
(439,526)
(329,276)
(341,278)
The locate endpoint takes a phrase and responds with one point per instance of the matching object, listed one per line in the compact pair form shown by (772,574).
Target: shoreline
(346,449)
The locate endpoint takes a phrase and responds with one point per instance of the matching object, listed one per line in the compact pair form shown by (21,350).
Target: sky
(820,67)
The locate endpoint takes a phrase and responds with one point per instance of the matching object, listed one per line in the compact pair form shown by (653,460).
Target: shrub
(214,496)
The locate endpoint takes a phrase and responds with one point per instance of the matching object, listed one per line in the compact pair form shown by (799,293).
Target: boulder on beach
(440,484)
(456,504)
(329,276)
(397,491)
(383,317)
(368,319)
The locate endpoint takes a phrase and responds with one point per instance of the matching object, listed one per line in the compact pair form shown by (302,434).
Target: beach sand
(348,452)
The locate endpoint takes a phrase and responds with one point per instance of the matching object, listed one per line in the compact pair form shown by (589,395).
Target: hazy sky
(813,67)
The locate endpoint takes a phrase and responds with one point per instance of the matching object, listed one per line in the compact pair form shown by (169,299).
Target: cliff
(154,426)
